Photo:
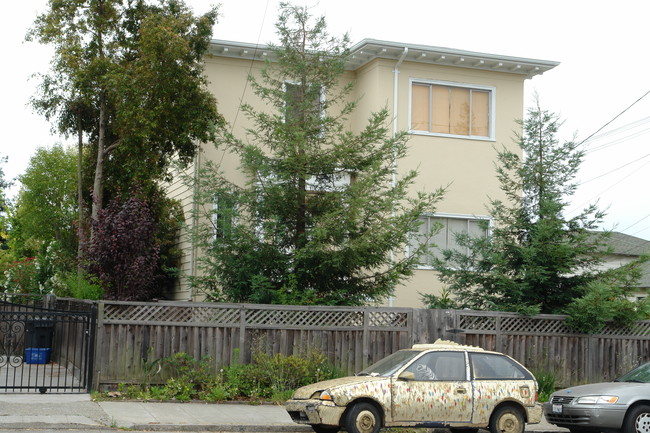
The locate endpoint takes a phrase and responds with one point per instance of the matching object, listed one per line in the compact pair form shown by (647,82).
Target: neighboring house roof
(632,247)
(370,49)
(626,245)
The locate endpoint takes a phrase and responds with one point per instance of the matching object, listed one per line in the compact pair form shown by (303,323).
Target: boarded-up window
(444,109)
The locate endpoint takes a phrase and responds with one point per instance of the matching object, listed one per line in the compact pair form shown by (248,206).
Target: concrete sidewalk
(69,411)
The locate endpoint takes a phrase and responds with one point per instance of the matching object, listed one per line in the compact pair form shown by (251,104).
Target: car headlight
(322,395)
(597,399)
(325,395)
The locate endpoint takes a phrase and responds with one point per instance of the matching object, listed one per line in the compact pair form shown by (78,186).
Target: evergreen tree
(318,218)
(533,259)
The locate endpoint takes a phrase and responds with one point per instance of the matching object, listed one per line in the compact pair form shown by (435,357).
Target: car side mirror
(406,375)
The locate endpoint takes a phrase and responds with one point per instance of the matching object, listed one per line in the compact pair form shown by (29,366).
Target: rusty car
(444,385)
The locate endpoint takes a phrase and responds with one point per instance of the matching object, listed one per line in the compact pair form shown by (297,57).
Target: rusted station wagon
(430,385)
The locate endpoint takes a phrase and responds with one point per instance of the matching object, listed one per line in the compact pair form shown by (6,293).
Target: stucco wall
(464,166)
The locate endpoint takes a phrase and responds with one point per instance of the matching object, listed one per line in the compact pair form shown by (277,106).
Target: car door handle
(461,391)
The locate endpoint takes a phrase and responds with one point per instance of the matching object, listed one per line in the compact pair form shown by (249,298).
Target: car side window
(493,366)
(439,366)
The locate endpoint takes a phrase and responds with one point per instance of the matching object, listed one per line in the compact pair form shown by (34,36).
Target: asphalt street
(79,413)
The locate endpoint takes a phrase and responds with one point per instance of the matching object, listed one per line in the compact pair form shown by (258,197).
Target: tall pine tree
(534,258)
(319,217)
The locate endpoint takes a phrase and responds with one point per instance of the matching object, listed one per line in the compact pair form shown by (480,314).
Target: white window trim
(452,216)
(491,114)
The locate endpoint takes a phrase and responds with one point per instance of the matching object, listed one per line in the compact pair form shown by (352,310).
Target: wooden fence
(544,343)
(130,334)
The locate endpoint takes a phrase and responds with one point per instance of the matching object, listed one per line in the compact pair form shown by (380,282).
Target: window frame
(506,360)
(222,218)
(465,217)
(286,84)
(427,357)
(491,90)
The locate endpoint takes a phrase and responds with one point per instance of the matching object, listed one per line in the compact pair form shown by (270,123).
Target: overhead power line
(616,117)
(616,169)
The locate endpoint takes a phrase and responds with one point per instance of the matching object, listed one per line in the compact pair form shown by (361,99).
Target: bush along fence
(132,335)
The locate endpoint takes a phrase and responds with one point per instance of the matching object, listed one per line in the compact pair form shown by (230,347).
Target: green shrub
(195,377)
(82,286)
(602,303)
(546,383)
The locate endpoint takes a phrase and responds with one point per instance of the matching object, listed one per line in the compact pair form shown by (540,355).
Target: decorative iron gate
(46,347)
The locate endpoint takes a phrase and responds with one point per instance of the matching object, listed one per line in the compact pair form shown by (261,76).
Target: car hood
(602,388)
(307,391)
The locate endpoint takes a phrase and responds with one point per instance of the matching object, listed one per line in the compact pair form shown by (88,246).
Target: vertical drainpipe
(195,218)
(395,108)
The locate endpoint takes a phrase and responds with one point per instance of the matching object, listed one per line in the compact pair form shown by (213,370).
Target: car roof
(447,345)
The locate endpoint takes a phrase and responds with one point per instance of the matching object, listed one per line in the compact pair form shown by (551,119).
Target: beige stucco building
(457,106)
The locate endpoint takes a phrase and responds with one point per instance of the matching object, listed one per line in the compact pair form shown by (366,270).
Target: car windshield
(389,365)
(639,374)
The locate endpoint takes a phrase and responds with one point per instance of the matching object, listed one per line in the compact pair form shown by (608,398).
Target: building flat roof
(370,49)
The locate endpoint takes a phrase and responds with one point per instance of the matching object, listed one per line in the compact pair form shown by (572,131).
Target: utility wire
(616,169)
(615,117)
(596,132)
(576,208)
(250,68)
(633,224)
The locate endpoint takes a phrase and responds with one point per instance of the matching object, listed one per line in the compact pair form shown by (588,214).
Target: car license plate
(557,408)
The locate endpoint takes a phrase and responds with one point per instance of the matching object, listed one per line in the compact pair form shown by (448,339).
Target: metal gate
(46,345)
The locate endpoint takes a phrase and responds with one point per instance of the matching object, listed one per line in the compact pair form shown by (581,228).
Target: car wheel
(320,428)
(363,418)
(507,419)
(637,420)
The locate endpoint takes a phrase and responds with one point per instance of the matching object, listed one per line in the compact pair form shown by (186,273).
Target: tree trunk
(80,200)
(98,184)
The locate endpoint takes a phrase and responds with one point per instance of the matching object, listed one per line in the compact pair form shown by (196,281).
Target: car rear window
(492,366)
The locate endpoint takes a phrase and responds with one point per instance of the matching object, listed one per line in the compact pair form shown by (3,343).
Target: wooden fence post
(592,345)
(366,339)
(99,343)
(242,334)
(499,335)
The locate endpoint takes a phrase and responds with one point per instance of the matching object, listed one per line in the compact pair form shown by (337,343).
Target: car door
(496,378)
(433,389)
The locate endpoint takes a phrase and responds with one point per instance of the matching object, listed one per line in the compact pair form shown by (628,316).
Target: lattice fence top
(231,315)
(506,323)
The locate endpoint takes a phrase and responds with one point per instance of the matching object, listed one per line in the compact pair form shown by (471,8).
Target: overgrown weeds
(546,382)
(266,378)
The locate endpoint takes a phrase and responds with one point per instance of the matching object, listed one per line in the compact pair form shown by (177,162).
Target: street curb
(231,428)
(31,426)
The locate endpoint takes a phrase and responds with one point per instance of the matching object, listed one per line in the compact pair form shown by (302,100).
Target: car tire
(363,418)
(320,428)
(507,419)
(637,420)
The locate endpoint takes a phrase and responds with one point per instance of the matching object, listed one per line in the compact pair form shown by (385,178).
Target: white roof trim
(370,49)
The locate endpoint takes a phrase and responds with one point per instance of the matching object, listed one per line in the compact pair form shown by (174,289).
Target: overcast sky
(604,71)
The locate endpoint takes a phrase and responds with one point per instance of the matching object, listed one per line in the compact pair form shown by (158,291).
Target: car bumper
(314,412)
(534,414)
(608,417)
